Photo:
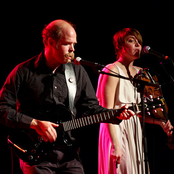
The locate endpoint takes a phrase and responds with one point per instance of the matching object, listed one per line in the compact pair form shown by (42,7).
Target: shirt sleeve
(9,115)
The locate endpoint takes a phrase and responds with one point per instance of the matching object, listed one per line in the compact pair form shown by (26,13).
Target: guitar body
(30,147)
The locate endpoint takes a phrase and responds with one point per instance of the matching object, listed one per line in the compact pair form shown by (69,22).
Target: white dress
(129,134)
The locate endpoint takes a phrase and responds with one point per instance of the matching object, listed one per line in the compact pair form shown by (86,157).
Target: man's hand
(126,113)
(45,129)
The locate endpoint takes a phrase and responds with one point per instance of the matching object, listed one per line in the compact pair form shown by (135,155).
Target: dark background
(96,22)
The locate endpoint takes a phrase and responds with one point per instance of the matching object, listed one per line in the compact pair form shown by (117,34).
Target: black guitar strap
(71,83)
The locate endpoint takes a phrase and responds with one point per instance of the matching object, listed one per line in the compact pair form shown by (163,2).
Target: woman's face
(132,47)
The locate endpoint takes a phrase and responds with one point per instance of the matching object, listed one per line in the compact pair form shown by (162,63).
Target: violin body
(155,93)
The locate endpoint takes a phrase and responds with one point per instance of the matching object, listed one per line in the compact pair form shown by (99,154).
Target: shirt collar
(40,64)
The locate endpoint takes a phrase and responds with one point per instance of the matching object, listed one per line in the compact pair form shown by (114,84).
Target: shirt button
(55,87)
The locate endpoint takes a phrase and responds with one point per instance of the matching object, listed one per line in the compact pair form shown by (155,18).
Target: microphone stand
(169,76)
(140,84)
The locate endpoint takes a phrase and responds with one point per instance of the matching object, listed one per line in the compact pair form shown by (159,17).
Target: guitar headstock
(155,106)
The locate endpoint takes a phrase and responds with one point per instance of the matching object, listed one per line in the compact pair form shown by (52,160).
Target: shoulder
(111,68)
(138,68)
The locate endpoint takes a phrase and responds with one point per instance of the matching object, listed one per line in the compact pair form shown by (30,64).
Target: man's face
(64,49)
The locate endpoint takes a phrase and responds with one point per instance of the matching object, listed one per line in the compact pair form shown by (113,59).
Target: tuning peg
(150,96)
(148,113)
(154,111)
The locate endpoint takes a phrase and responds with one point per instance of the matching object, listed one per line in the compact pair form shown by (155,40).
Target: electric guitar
(31,148)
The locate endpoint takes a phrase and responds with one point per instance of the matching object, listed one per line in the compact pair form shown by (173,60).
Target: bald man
(35,99)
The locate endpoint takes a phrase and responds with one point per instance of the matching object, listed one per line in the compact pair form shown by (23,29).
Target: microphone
(147,50)
(80,61)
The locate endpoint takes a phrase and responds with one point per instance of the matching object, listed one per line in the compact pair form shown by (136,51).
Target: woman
(122,144)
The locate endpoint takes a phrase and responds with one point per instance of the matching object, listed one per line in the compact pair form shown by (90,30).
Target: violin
(155,93)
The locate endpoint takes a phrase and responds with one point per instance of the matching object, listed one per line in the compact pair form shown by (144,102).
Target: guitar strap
(71,83)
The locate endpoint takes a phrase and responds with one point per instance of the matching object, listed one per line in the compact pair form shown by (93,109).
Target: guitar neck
(89,120)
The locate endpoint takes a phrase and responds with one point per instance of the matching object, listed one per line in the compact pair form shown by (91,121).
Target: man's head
(59,38)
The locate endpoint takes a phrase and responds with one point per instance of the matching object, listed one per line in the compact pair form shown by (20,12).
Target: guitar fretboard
(89,120)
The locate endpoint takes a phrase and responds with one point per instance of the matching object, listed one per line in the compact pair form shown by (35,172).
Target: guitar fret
(109,114)
(112,113)
(81,124)
(101,117)
(71,125)
(91,119)
(97,118)
(80,120)
(94,119)
(104,116)
(88,121)
(85,121)
(78,123)
(92,122)
(74,125)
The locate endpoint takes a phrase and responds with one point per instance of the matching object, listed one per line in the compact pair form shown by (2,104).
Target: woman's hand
(116,154)
(167,127)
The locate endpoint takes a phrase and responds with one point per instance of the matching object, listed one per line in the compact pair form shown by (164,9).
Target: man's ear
(52,42)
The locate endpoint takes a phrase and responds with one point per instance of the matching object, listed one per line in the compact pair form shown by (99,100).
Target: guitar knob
(33,151)
(36,145)
(40,139)
(162,109)
(30,157)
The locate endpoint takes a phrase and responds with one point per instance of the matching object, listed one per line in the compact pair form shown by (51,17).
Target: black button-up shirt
(33,91)
(31,88)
